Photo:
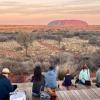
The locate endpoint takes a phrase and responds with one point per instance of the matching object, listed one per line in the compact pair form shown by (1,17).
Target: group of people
(83,78)
(41,82)
(46,81)
(49,79)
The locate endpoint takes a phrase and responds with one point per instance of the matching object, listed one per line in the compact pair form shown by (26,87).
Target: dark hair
(37,73)
(85,66)
(98,66)
(51,68)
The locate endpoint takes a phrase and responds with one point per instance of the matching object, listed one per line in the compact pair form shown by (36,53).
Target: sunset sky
(42,11)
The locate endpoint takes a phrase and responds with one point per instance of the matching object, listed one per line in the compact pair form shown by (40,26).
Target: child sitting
(67,79)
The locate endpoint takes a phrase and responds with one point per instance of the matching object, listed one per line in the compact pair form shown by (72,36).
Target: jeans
(79,82)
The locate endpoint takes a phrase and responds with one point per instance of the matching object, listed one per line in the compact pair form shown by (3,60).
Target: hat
(5,71)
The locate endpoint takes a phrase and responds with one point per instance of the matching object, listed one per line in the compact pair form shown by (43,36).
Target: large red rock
(73,23)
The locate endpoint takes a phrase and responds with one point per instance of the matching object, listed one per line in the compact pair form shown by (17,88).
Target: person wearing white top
(84,74)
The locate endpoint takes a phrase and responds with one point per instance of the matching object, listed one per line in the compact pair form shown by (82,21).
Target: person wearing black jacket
(5,85)
(67,80)
(38,81)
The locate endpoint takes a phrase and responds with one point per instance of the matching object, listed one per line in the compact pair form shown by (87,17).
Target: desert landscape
(49,49)
(22,46)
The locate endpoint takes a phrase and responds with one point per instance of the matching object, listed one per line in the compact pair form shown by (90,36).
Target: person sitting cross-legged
(51,81)
(38,81)
(67,80)
(84,76)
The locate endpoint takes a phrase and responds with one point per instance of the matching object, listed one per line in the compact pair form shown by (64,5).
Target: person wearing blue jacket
(51,78)
(51,82)
(5,85)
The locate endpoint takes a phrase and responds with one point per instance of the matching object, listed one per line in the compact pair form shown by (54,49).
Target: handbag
(18,95)
(88,82)
(44,96)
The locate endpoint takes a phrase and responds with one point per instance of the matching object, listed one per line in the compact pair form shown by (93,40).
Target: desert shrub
(85,37)
(61,74)
(25,40)
(7,36)
(66,57)
(91,60)
(45,66)
(3,38)
(95,58)
(69,34)
(54,59)
(12,66)
(54,35)
(19,49)
(76,33)
(25,67)
(92,40)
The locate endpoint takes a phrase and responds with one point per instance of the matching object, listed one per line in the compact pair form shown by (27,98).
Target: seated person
(84,75)
(51,80)
(5,85)
(98,77)
(67,79)
(38,81)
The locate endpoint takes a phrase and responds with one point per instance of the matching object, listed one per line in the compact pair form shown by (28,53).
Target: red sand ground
(26,78)
(29,28)
(23,77)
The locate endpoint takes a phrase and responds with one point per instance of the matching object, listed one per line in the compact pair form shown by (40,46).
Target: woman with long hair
(84,75)
(38,81)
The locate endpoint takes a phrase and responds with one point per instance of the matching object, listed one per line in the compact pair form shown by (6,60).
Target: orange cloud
(42,11)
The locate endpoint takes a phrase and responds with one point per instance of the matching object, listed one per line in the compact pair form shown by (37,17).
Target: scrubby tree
(59,37)
(59,40)
(25,40)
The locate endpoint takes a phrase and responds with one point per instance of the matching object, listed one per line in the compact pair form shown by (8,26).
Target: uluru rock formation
(74,23)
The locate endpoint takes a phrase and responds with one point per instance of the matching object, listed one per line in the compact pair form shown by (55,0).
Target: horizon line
(40,25)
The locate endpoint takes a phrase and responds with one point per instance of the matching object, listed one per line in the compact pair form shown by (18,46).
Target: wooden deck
(83,94)
(79,93)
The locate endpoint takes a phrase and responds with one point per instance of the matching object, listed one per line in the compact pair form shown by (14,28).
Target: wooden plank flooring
(79,93)
(83,94)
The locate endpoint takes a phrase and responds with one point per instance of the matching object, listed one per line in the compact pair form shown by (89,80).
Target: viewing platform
(75,93)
